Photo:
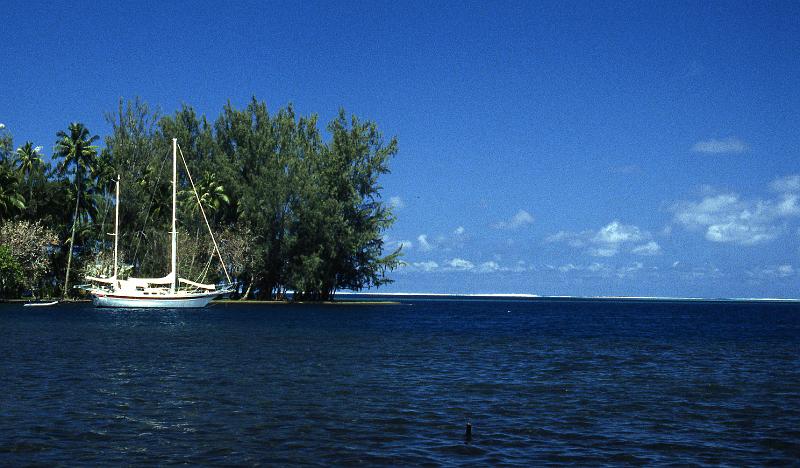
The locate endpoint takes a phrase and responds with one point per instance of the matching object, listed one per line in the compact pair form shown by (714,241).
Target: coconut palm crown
(75,147)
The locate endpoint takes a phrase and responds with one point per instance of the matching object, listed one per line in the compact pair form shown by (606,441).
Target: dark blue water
(540,381)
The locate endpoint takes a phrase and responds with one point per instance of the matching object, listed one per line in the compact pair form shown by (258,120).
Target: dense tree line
(295,207)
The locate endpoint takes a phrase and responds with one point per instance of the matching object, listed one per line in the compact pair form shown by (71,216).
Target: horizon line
(537,296)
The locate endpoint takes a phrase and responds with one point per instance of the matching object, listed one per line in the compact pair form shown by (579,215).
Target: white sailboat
(169,291)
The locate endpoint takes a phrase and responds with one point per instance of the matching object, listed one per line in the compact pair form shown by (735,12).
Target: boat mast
(174,229)
(116,232)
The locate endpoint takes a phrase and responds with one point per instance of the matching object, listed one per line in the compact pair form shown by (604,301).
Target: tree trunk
(71,245)
(249,287)
(30,195)
(194,253)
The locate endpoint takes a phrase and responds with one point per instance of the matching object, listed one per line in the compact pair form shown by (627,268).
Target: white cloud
(709,210)
(789,183)
(727,218)
(520,266)
(37,149)
(457,265)
(521,218)
(608,251)
(489,267)
(460,264)
(2,126)
(424,245)
(396,203)
(705,271)
(788,206)
(573,239)
(568,267)
(426,266)
(595,267)
(650,248)
(406,245)
(615,233)
(605,242)
(714,146)
(630,269)
(739,233)
(443,242)
(771,272)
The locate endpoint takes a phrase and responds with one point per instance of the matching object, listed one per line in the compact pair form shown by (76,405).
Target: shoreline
(536,297)
(334,302)
(225,301)
(398,298)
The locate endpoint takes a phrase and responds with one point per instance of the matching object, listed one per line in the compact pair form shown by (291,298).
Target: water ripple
(551,383)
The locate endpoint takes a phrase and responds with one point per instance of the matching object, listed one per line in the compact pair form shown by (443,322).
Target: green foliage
(28,159)
(31,245)
(138,155)
(78,153)
(339,217)
(32,168)
(6,143)
(294,210)
(10,274)
(12,202)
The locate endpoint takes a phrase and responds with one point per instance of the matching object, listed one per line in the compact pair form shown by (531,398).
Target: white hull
(164,302)
(160,293)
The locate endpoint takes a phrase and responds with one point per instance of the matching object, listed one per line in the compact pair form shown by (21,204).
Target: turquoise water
(585,382)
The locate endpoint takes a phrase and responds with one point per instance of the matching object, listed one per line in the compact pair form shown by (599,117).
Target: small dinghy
(39,304)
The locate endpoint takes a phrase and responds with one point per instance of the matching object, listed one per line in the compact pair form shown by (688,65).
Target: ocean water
(541,381)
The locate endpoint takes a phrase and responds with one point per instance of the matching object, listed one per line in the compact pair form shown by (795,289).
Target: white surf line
(537,296)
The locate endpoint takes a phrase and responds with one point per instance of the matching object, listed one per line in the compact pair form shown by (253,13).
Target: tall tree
(6,142)
(78,153)
(340,218)
(140,158)
(29,163)
(11,199)
(300,211)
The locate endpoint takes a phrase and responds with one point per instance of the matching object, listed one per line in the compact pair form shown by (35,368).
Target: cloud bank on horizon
(620,251)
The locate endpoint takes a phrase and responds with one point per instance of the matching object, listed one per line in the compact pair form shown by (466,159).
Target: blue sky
(549,148)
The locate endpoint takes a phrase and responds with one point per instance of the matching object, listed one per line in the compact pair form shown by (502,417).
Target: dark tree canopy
(297,208)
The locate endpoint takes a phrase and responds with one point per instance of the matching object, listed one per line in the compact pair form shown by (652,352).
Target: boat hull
(181,301)
(40,304)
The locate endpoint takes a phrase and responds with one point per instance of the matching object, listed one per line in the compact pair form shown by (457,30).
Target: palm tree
(28,162)
(11,199)
(6,142)
(75,146)
(28,158)
(211,194)
(105,174)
